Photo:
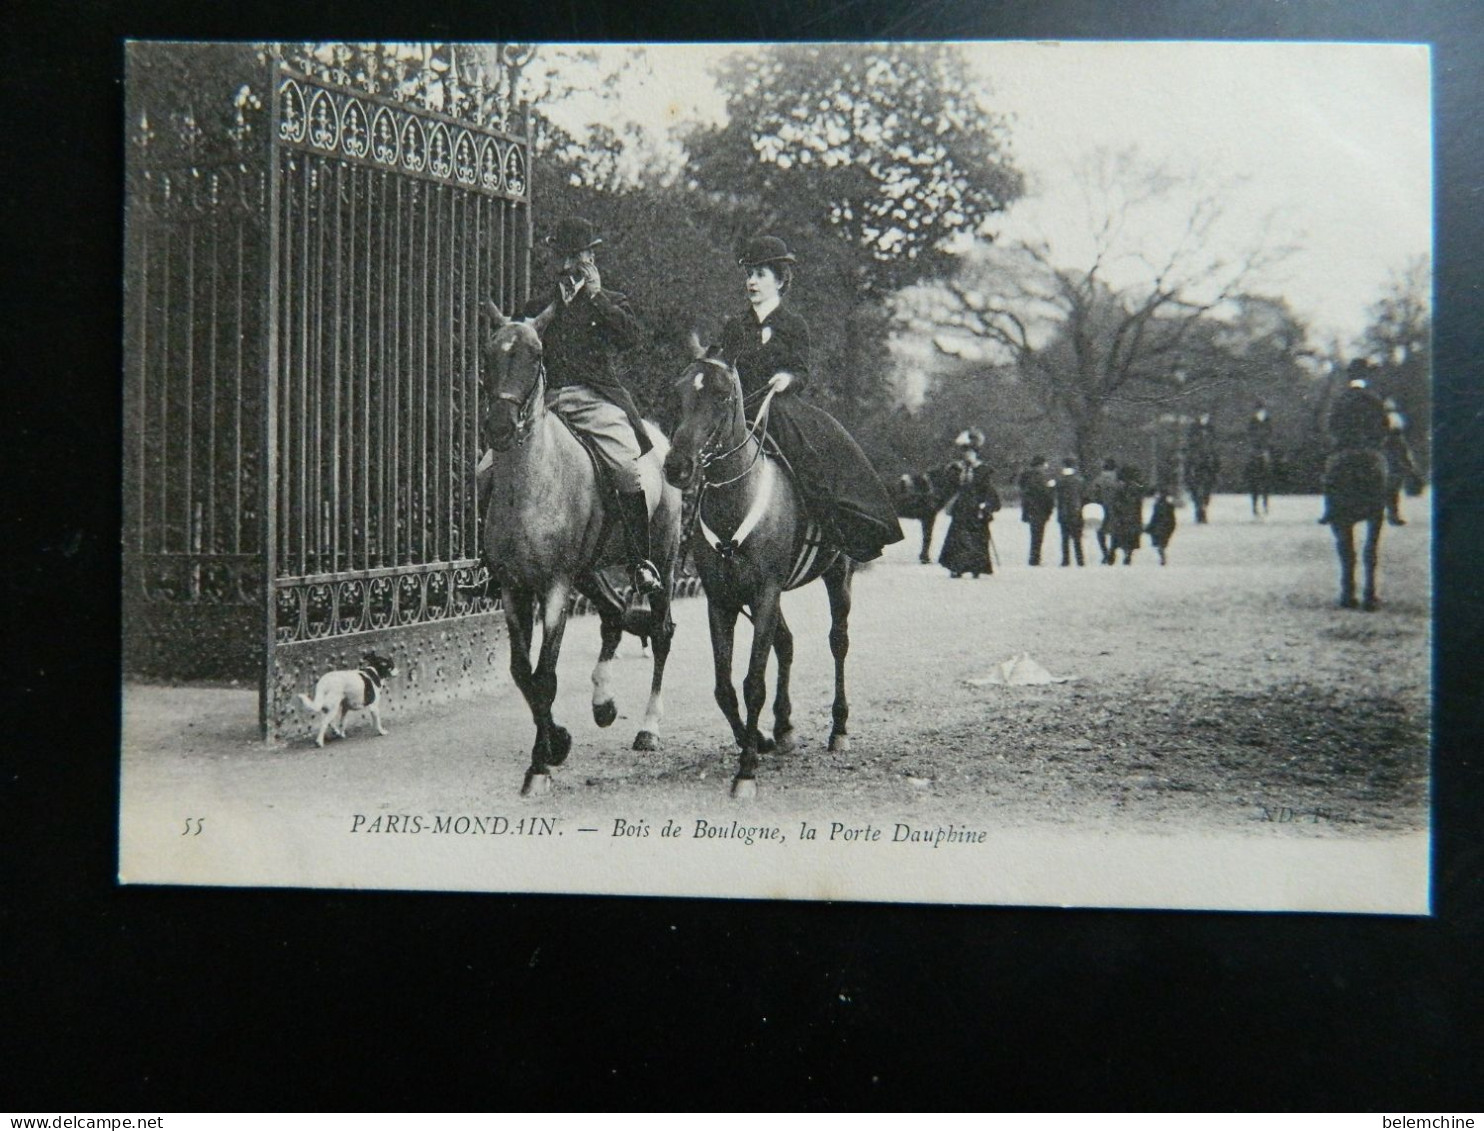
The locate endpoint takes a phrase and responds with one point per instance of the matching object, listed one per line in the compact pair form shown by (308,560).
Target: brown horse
(754,539)
(550,525)
(1355,491)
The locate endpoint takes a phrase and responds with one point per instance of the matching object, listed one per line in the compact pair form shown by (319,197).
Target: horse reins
(525,407)
(756,432)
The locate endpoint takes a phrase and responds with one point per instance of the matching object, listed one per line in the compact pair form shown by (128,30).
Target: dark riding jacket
(1069,499)
(1037,500)
(1358,420)
(582,344)
(829,466)
(1259,433)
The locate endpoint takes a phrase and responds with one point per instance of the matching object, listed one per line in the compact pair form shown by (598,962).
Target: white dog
(337,693)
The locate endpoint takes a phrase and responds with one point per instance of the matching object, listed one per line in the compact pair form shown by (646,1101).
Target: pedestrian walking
(1037,502)
(1070,494)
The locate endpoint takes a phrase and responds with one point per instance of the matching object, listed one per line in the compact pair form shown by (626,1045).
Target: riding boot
(633,512)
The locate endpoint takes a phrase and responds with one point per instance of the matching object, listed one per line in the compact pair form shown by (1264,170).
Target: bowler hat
(572,235)
(765,249)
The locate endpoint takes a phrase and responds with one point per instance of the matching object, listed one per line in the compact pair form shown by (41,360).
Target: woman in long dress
(769,345)
(966,545)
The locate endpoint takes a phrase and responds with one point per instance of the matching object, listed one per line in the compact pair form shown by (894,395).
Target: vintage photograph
(975,472)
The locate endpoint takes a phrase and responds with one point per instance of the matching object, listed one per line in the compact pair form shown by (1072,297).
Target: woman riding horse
(760,531)
(769,345)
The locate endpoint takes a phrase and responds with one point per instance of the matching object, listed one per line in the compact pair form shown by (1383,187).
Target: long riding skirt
(835,475)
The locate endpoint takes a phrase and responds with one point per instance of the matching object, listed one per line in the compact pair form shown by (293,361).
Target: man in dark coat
(1104,491)
(769,345)
(1128,513)
(1037,501)
(1260,428)
(591,327)
(1357,423)
(1070,494)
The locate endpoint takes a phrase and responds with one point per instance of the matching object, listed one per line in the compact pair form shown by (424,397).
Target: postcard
(980,473)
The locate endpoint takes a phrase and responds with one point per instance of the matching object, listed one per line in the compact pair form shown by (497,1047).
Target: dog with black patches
(338,693)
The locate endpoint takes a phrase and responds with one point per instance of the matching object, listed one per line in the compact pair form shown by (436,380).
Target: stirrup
(646,578)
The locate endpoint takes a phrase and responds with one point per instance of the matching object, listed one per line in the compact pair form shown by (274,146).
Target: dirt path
(1224,692)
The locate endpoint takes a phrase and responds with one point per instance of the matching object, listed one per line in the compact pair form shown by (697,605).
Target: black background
(163,999)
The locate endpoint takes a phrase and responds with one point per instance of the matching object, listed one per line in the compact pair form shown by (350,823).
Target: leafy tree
(887,147)
(1121,325)
(869,160)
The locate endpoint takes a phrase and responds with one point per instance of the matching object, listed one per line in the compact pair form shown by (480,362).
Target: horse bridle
(525,405)
(706,455)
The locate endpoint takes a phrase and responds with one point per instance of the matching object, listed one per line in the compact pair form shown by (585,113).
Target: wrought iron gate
(302,396)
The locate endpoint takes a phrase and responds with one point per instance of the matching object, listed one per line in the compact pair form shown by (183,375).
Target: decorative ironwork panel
(193,405)
(301,385)
(388,235)
(436,662)
(352,125)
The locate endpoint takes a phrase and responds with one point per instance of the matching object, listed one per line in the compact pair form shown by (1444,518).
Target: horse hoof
(561,744)
(605,713)
(839,743)
(766,745)
(1349,603)
(744,789)
(785,742)
(1371,604)
(537,784)
(646,740)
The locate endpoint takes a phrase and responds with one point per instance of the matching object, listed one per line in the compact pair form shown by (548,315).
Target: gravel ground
(1222,693)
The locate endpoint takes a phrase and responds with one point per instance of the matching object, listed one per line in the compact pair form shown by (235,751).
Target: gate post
(268,516)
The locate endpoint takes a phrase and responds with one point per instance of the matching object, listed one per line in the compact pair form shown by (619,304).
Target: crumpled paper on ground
(1018,671)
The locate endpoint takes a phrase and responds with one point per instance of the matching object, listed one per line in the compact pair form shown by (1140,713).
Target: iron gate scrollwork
(303,392)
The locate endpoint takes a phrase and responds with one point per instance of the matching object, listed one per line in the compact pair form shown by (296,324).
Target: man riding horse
(591,327)
(1357,424)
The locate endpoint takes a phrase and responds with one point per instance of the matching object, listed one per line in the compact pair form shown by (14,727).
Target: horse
(550,528)
(921,497)
(1201,471)
(1355,491)
(1258,475)
(768,543)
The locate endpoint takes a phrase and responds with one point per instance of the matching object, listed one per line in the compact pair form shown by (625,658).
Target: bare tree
(1120,314)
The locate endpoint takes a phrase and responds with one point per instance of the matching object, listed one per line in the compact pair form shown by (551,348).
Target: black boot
(633,512)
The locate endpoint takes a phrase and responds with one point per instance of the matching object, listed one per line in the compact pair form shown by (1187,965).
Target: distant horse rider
(581,345)
(1357,423)
(1037,502)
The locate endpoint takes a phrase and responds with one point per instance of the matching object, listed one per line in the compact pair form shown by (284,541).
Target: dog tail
(309,704)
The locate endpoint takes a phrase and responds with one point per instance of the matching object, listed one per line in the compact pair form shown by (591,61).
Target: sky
(1325,147)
